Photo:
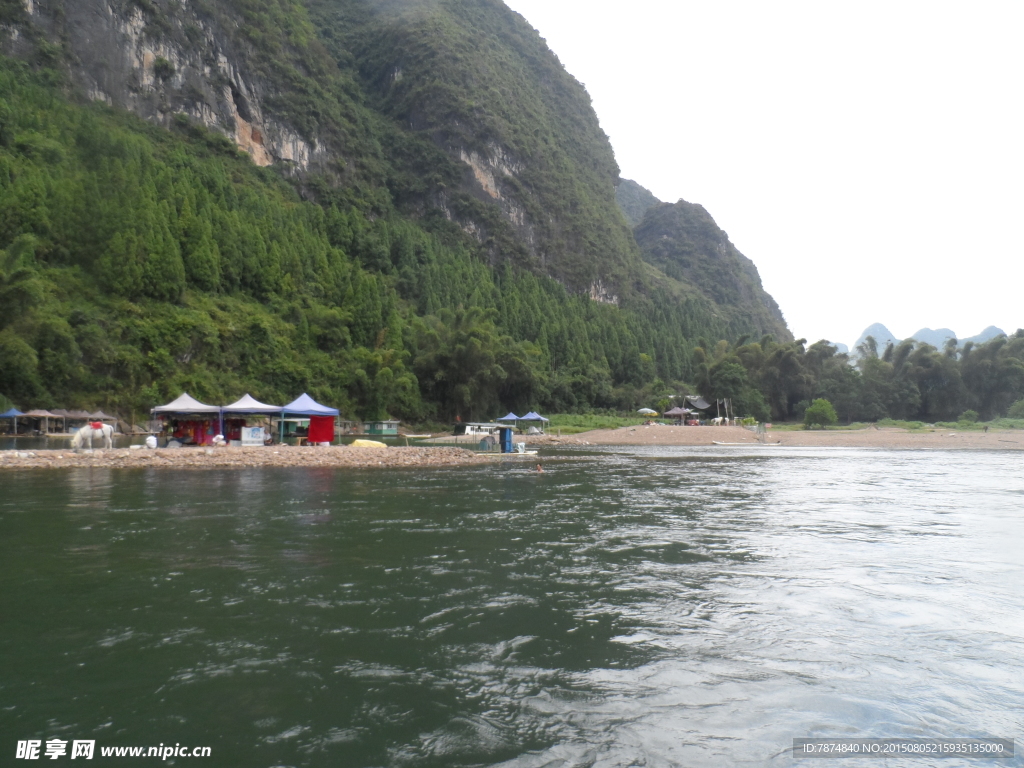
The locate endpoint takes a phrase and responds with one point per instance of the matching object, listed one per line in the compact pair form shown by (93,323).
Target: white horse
(87,434)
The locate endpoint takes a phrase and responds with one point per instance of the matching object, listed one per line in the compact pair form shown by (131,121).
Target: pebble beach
(208,458)
(395,457)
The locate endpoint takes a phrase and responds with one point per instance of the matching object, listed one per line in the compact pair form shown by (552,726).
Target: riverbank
(871,437)
(209,458)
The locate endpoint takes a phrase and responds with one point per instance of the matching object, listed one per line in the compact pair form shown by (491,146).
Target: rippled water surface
(640,608)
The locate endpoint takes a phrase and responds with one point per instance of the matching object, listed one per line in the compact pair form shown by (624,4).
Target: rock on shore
(208,458)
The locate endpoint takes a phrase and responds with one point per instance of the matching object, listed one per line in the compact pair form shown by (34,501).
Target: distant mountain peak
(937,337)
(987,335)
(882,336)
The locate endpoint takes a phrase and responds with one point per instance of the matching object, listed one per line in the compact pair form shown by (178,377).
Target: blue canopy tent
(13,415)
(304,405)
(510,417)
(532,416)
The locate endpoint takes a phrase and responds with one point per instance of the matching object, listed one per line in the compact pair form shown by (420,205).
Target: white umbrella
(646,411)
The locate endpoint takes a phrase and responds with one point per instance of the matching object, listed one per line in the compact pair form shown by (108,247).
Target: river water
(635,607)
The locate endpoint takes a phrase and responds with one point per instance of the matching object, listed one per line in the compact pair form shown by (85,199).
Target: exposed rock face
(186,65)
(491,173)
(600,292)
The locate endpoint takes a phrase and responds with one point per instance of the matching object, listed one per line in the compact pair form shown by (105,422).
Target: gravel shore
(945,439)
(207,458)
(437,457)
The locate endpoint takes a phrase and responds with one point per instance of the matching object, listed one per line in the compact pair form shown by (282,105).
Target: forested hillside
(683,242)
(634,200)
(403,208)
(140,262)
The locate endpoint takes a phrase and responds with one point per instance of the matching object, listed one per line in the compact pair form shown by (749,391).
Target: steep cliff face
(685,243)
(367,91)
(475,79)
(162,59)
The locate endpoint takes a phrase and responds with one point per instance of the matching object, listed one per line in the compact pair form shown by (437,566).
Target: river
(628,607)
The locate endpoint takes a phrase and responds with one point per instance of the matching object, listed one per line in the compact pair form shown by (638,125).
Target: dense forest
(910,381)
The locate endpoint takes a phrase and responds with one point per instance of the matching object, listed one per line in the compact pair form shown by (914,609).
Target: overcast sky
(866,156)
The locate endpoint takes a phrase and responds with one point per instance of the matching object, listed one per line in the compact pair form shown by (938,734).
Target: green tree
(820,413)
(20,286)
(459,361)
(19,377)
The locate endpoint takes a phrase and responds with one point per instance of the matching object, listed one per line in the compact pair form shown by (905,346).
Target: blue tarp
(11,414)
(305,405)
(531,416)
(511,417)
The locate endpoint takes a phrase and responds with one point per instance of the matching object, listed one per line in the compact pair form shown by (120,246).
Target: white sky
(866,156)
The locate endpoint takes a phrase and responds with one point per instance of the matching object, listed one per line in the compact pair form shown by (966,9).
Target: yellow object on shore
(367,444)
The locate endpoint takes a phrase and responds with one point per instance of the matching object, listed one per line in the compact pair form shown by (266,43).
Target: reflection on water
(662,607)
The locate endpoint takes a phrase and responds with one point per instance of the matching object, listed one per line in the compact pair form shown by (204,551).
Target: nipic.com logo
(54,749)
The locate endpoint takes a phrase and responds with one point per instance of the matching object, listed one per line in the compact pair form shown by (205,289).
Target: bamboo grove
(909,381)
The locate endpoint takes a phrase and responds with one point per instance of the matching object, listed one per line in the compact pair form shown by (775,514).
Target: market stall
(186,421)
(321,419)
(78,420)
(60,413)
(681,415)
(235,419)
(13,414)
(537,419)
(44,419)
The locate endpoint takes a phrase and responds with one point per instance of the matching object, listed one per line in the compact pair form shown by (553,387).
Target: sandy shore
(1002,440)
(203,458)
